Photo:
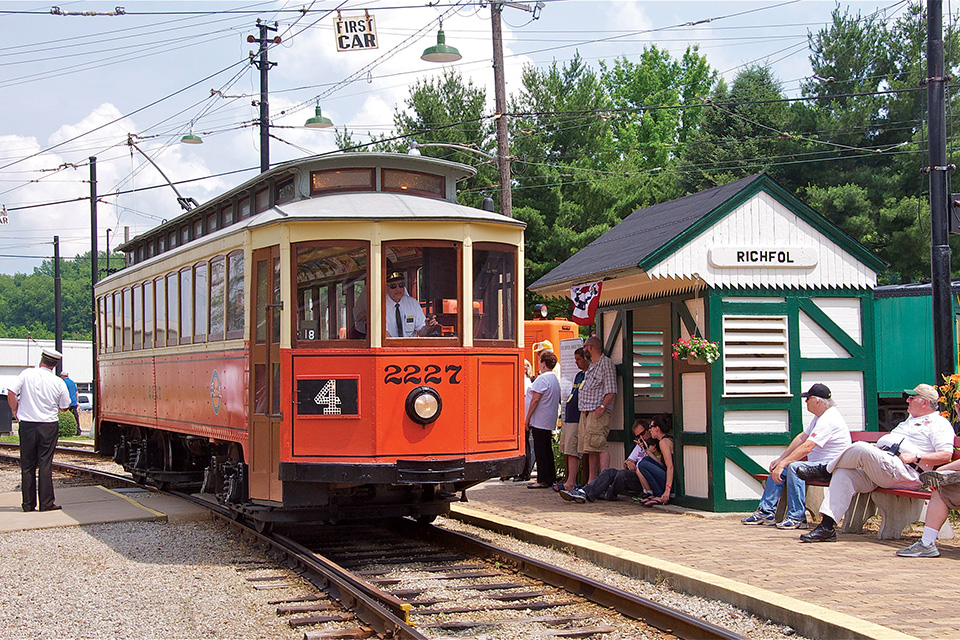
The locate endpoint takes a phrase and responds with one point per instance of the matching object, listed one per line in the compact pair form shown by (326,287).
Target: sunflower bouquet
(949,397)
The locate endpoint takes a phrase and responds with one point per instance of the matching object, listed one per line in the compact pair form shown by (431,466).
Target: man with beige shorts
(597,394)
(571,423)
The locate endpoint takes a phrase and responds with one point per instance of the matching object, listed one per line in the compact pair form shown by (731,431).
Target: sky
(78,80)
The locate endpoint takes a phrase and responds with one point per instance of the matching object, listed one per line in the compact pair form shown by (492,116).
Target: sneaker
(919,550)
(790,523)
(759,517)
(935,479)
(577,495)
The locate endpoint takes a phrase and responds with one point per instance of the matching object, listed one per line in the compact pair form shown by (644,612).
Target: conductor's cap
(53,354)
(393,276)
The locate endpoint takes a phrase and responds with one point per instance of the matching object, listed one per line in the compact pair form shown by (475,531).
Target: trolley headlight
(423,405)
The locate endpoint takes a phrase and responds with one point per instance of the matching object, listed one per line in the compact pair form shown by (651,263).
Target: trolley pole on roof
(939,212)
(263,64)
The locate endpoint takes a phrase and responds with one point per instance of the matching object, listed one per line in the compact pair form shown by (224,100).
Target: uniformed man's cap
(393,276)
(53,354)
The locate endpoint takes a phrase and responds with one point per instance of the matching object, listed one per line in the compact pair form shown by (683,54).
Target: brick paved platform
(842,589)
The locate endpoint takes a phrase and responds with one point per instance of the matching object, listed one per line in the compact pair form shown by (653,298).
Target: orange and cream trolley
(245,350)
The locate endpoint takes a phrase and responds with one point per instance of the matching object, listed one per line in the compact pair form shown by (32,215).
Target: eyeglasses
(395,285)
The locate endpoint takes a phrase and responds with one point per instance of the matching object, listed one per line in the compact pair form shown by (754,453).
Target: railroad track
(400,579)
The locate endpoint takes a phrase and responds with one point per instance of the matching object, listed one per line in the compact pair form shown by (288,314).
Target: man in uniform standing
(41,394)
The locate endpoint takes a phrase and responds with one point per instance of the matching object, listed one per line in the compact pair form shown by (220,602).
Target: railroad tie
(302,622)
(336,634)
(582,633)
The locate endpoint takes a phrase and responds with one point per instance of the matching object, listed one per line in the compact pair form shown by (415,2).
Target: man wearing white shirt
(41,394)
(921,442)
(824,439)
(405,318)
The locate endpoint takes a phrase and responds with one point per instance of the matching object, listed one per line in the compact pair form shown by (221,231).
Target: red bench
(898,508)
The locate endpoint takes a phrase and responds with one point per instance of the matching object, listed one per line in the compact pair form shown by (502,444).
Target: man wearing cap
(919,443)
(41,393)
(74,400)
(824,439)
(405,318)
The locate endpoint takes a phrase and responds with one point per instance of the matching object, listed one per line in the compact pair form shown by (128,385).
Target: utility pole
(500,96)
(263,64)
(57,302)
(939,213)
(94,277)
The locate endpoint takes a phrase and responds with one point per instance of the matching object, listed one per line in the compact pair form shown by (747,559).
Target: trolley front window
(495,293)
(331,291)
(422,297)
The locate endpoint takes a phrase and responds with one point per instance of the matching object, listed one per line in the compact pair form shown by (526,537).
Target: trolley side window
(422,297)
(200,302)
(331,291)
(234,292)
(217,298)
(137,316)
(186,305)
(160,284)
(148,314)
(108,323)
(117,321)
(173,309)
(495,293)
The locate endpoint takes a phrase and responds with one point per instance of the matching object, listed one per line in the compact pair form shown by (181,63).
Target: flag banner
(586,299)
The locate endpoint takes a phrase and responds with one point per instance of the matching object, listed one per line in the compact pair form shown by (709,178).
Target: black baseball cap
(818,391)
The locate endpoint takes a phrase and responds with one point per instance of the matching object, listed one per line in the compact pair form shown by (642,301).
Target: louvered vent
(649,353)
(755,356)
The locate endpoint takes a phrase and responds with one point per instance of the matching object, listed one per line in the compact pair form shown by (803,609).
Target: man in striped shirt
(597,394)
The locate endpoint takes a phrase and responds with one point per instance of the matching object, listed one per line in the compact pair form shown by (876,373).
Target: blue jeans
(796,492)
(655,474)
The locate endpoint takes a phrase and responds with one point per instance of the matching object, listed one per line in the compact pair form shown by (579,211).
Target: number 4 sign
(328,397)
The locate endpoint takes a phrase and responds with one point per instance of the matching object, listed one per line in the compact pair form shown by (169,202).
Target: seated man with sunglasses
(919,443)
(405,318)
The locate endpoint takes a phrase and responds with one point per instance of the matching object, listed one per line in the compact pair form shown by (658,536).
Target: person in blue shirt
(74,401)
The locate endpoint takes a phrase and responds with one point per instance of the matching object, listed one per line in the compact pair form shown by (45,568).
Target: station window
(342,180)
(148,314)
(173,309)
(186,305)
(331,291)
(161,297)
(217,298)
(200,302)
(235,301)
(755,356)
(422,290)
(495,293)
(284,191)
(415,182)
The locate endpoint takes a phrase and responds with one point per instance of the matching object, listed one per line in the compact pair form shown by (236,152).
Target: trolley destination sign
(355,33)
(771,257)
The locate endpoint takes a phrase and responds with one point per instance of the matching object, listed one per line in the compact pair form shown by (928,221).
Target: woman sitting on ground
(655,470)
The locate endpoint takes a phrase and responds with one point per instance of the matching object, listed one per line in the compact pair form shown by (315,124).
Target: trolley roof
(367,205)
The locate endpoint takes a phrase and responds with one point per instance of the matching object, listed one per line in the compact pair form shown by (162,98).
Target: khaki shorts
(568,438)
(950,494)
(593,432)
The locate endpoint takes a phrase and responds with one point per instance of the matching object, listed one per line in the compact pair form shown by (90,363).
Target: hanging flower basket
(696,350)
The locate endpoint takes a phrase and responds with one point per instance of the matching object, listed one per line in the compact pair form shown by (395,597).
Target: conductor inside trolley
(421,293)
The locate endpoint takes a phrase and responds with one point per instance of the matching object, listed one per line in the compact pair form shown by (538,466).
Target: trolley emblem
(216,392)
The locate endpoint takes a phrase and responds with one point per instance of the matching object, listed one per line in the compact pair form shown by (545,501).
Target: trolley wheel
(262,526)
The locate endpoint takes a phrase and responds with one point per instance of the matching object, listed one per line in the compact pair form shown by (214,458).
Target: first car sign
(355,33)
